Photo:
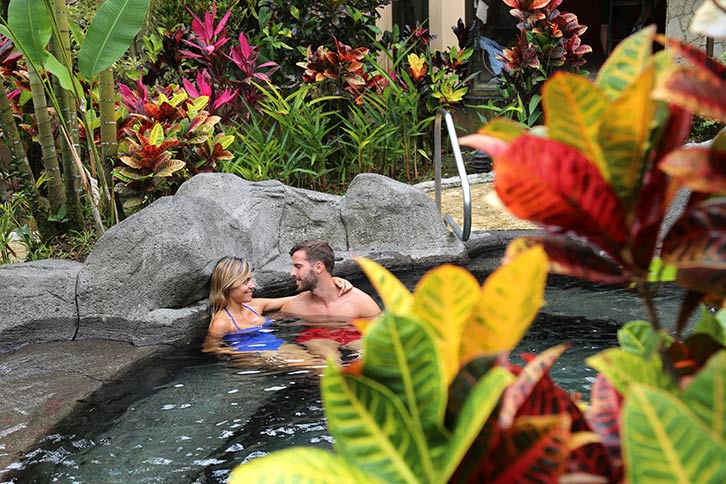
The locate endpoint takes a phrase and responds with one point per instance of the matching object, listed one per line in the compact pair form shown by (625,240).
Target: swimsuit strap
(253,311)
(232,318)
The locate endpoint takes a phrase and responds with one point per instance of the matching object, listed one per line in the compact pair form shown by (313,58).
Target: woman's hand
(343,285)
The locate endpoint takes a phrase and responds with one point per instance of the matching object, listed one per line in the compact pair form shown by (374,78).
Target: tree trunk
(19,163)
(61,47)
(47,141)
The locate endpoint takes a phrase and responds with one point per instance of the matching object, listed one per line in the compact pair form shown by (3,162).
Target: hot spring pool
(191,418)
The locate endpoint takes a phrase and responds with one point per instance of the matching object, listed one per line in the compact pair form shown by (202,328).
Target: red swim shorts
(341,335)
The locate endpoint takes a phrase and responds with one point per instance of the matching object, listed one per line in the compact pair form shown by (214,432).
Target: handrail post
(462,234)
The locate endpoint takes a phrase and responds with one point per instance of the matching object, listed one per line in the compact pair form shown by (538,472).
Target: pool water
(194,418)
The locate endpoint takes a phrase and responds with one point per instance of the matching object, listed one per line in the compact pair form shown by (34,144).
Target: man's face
(302,272)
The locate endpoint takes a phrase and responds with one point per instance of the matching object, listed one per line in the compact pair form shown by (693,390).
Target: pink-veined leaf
(700,169)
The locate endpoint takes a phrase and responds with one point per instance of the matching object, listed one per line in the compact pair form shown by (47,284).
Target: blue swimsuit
(255,338)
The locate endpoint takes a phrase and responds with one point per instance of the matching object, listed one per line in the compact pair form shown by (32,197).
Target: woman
(238,326)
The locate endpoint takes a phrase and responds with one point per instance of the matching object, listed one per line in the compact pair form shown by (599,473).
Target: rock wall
(146,280)
(679,14)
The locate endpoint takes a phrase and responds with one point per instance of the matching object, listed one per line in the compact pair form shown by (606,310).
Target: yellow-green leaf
(511,298)
(573,109)
(664,442)
(301,464)
(623,369)
(396,298)
(156,137)
(625,132)
(626,62)
(706,395)
(443,300)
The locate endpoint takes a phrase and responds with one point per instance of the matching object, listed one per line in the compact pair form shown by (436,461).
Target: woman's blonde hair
(226,273)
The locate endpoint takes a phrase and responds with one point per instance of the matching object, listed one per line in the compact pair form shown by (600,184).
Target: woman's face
(242,292)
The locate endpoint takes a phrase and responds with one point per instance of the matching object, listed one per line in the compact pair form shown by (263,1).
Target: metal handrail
(462,234)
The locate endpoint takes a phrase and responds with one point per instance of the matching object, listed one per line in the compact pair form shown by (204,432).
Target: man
(312,270)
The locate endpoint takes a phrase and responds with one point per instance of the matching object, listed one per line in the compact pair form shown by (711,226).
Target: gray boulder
(386,220)
(38,302)
(146,280)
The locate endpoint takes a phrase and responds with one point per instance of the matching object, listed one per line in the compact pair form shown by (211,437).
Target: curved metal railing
(462,234)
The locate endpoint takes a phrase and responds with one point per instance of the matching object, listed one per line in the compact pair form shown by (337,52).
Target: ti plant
(167,138)
(434,398)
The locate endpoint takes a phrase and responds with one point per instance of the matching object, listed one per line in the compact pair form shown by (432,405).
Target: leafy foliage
(548,42)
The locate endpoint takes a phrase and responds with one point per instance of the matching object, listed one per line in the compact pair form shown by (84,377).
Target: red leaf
(657,192)
(554,184)
(571,257)
(518,392)
(698,239)
(603,415)
(700,169)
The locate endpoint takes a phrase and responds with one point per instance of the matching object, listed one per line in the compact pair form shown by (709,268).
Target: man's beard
(309,282)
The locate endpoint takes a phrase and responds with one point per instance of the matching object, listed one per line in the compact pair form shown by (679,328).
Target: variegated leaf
(623,369)
(700,169)
(510,299)
(626,62)
(573,108)
(698,238)
(625,132)
(518,392)
(401,353)
(372,428)
(553,184)
(571,257)
(301,464)
(443,299)
(663,441)
(706,395)
(476,410)
(396,298)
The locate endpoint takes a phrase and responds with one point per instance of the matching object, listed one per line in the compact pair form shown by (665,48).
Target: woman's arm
(215,334)
(262,304)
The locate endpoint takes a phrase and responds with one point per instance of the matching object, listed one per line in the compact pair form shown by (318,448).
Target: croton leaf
(401,353)
(626,62)
(698,90)
(372,428)
(477,408)
(573,109)
(510,299)
(714,325)
(517,394)
(301,464)
(571,257)
(665,441)
(395,296)
(639,338)
(623,369)
(706,395)
(536,448)
(555,185)
(443,300)
(624,133)
(168,167)
(603,415)
(700,169)
(657,190)
(697,238)
(709,283)
(494,137)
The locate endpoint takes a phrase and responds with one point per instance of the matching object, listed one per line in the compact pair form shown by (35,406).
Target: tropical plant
(168,137)
(548,41)
(289,139)
(31,25)
(435,400)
